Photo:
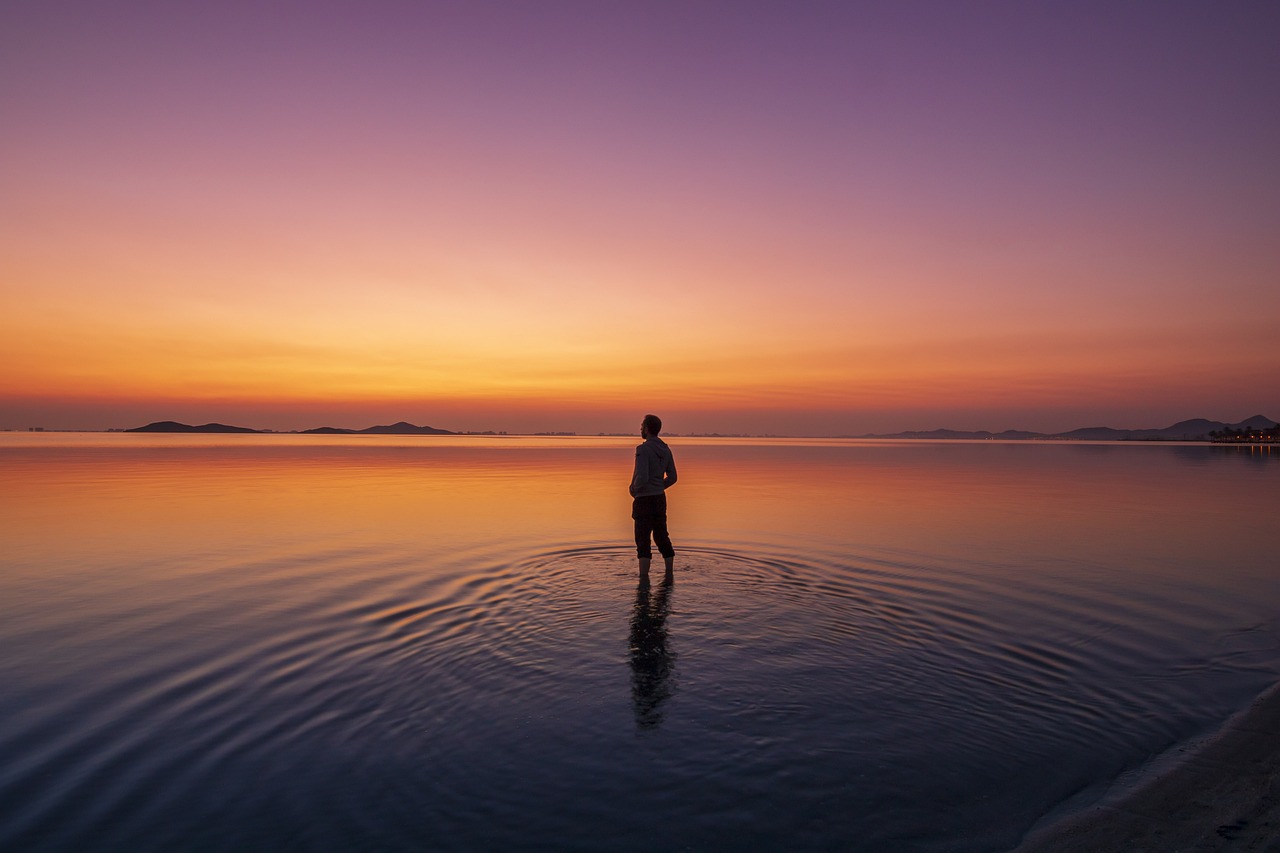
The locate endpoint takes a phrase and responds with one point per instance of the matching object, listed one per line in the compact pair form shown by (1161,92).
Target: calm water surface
(335,643)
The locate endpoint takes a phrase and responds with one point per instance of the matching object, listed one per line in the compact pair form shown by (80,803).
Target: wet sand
(1225,795)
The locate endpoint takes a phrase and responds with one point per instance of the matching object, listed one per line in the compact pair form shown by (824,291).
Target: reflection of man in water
(655,473)
(651,661)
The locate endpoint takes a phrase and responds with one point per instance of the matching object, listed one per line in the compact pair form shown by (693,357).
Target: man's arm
(669,475)
(641,474)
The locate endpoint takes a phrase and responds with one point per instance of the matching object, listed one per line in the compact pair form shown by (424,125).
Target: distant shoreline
(1254,430)
(1264,442)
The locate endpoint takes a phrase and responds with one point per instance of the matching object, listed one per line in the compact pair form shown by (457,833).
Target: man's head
(651,426)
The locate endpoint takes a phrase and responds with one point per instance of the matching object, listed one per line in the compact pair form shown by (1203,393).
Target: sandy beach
(1223,795)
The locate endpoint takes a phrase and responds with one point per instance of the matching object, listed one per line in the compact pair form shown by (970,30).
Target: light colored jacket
(655,468)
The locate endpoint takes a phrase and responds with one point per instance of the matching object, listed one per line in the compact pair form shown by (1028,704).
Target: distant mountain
(1093,434)
(402,428)
(399,428)
(1197,429)
(174,426)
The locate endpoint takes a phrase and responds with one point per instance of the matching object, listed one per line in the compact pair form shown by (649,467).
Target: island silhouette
(398,428)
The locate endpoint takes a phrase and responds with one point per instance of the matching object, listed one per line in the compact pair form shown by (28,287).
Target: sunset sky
(806,218)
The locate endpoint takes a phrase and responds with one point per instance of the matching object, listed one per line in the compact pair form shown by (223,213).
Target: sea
(334,643)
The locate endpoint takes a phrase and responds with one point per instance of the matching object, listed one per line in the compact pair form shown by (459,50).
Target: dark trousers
(650,514)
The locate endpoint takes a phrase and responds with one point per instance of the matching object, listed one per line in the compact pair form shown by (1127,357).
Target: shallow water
(333,643)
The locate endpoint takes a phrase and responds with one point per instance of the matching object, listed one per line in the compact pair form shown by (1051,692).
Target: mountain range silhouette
(399,428)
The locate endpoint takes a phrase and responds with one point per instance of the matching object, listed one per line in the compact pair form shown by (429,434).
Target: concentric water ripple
(549,700)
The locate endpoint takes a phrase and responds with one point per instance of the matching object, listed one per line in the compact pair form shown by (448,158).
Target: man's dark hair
(653,424)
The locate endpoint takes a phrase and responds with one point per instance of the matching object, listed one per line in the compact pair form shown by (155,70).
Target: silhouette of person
(652,663)
(655,472)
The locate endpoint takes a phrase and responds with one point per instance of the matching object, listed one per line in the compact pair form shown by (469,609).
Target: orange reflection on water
(171,501)
(155,501)
(1002,503)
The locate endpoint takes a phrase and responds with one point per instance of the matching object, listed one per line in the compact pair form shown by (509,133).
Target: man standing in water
(655,473)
